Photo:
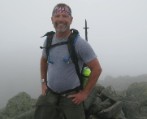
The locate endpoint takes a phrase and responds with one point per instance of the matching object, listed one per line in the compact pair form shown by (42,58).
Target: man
(59,76)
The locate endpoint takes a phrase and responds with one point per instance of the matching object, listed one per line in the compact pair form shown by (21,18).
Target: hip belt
(67,92)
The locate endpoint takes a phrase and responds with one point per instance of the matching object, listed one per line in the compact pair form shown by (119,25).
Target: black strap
(57,44)
(77,89)
(73,54)
(49,42)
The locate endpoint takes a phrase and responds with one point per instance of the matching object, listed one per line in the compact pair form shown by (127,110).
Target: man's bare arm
(43,71)
(96,70)
(43,68)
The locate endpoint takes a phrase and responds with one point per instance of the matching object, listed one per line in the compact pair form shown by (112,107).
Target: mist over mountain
(33,86)
(122,82)
(126,104)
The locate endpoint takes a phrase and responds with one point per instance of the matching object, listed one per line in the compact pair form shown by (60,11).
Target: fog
(117,32)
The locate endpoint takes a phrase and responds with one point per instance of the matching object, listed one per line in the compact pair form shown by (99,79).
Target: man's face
(61,21)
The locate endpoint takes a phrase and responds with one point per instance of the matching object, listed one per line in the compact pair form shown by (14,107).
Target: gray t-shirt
(62,74)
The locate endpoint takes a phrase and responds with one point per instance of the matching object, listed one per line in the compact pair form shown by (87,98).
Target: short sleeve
(84,50)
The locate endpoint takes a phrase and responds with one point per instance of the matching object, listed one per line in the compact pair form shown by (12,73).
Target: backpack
(71,48)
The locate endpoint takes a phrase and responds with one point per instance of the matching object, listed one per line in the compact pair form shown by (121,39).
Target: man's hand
(78,97)
(44,89)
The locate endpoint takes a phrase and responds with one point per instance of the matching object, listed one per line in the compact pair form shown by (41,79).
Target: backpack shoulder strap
(72,51)
(49,36)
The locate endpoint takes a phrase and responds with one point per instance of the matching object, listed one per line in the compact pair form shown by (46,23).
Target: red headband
(62,10)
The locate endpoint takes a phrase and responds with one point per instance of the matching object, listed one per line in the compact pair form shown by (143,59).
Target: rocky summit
(103,103)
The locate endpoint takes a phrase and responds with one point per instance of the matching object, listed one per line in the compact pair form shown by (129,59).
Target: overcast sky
(117,32)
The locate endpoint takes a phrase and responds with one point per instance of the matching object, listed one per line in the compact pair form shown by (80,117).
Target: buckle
(69,93)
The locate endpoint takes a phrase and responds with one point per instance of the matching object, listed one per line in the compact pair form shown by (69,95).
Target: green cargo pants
(54,106)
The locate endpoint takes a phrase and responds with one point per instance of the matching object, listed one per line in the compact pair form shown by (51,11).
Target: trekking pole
(86,30)
(85,69)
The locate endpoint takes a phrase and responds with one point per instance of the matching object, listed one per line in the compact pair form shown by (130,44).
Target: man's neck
(62,35)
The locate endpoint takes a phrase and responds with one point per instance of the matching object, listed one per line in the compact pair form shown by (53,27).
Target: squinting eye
(57,16)
(65,16)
